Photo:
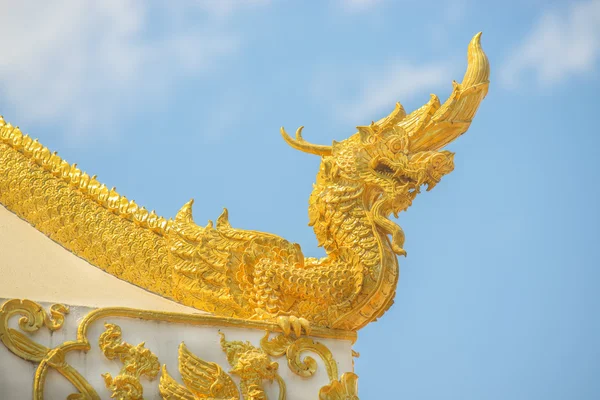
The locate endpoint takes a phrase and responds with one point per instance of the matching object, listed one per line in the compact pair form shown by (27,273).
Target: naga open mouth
(404,187)
(386,169)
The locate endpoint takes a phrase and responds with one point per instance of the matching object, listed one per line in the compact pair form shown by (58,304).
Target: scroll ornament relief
(201,379)
(137,361)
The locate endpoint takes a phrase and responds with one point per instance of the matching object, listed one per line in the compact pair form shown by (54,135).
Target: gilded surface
(344,389)
(284,344)
(207,380)
(253,275)
(202,379)
(137,361)
(32,318)
(253,366)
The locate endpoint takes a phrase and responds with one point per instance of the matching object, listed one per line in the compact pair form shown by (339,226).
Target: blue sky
(498,297)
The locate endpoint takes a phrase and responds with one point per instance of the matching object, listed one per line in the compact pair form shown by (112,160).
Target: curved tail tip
(476,41)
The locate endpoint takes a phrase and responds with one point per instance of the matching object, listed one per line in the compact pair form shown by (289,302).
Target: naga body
(361,182)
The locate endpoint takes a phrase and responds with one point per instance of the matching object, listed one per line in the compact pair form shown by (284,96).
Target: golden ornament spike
(223,220)
(365,132)
(185,213)
(395,117)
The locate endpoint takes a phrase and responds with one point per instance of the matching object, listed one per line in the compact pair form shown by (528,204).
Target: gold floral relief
(137,361)
(32,318)
(253,366)
(201,379)
(293,348)
(344,389)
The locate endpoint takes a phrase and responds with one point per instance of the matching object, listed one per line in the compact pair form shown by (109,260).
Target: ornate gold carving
(251,364)
(32,318)
(137,361)
(293,348)
(203,380)
(344,389)
(82,215)
(198,320)
(248,274)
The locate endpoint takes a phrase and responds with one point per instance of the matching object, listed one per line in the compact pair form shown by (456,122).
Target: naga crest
(389,160)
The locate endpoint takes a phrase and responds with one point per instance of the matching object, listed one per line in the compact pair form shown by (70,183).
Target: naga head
(394,157)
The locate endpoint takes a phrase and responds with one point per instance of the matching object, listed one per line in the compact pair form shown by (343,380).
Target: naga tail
(82,215)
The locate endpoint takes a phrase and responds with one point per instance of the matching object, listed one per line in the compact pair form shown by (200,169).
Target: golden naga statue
(254,275)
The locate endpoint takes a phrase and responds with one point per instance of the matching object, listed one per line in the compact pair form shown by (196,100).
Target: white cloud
(382,88)
(88,62)
(561,44)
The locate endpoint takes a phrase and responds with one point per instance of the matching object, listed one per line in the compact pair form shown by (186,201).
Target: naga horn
(433,126)
(300,144)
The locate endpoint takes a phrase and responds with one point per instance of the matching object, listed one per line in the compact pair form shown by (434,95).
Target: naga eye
(396,145)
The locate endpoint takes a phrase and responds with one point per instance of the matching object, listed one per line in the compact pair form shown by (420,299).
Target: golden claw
(295,324)
(399,251)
